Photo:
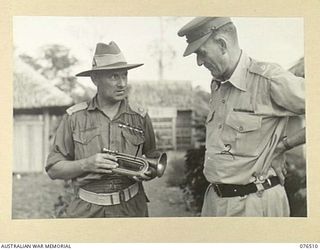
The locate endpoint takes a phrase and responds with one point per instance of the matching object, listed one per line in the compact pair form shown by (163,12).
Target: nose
(122,82)
(199,60)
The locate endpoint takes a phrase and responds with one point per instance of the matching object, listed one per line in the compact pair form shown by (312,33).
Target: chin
(215,75)
(120,98)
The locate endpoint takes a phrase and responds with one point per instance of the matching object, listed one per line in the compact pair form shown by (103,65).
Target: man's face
(210,56)
(112,85)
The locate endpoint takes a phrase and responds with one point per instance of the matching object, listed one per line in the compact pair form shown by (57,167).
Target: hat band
(107,59)
(194,37)
(207,28)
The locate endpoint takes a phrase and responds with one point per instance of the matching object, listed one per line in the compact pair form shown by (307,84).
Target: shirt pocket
(87,142)
(245,133)
(132,142)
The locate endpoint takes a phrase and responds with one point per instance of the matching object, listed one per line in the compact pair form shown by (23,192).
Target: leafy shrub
(295,186)
(194,184)
(63,200)
(175,173)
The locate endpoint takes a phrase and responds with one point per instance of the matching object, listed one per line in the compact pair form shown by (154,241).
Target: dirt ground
(34,196)
(165,201)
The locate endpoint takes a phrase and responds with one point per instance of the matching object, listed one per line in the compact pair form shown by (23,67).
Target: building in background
(37,106)
(174,108)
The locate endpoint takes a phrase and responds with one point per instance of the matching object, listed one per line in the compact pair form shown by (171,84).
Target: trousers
(272,202)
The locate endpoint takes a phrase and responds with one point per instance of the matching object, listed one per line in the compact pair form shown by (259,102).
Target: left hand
(143,177)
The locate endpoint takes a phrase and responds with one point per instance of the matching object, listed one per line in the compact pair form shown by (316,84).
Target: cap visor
(126,66)
(192,47)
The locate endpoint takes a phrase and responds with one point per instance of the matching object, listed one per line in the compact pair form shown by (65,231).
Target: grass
(34,196)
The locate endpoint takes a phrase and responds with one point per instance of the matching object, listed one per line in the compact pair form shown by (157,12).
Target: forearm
(67,170)
(295,140)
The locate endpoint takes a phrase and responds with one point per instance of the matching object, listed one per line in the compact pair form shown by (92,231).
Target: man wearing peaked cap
(199,30)
(246,127)
(108,121)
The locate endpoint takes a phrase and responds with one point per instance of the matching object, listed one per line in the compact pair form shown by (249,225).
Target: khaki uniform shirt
(86,130)
(247,119)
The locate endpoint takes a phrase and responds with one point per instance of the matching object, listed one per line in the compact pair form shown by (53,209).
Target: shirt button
(223,101)
(220,126)
(240,128)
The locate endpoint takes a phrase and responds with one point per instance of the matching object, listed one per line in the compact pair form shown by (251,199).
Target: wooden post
(46,133)
(174,132)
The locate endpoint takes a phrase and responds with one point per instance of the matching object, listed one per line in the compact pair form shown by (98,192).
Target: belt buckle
(121,196)
(259,184)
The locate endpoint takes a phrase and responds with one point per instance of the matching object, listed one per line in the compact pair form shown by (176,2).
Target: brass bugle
(137,166)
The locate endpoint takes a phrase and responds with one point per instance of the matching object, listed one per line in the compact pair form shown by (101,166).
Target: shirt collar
(93,104)
(238,76)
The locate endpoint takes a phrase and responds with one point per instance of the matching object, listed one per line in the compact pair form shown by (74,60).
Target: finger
(279,174)
(109,157)
(284,171)
(145,177)
(148,173)
(281,178)
(136,179)
(108,165)
(90,176)
(103,171)
(111,163)
(93,176)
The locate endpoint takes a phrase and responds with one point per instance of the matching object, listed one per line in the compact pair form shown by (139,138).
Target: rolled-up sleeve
(63,146)
(288,91)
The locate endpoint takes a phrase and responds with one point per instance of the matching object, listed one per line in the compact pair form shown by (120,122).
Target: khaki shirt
(247,119)
(86,130)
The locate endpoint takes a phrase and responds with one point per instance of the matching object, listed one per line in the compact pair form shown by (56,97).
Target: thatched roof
(298,68)
(179,94)
(31,90)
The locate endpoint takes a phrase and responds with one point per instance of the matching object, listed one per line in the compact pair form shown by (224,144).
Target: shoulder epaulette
(138,109)
(77,107)
(262,68)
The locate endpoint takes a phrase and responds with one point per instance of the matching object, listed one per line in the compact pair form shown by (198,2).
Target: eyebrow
(119,72)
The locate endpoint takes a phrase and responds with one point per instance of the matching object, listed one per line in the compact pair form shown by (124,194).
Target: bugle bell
(138,166)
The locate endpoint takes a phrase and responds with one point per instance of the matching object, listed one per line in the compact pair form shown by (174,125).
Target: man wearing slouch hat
(250,105)
(107,121)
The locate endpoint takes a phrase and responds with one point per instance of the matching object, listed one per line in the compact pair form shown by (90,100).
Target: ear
(222,43)
(93,77)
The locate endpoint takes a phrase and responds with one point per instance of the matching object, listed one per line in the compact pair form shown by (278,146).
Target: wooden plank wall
(164,125)
(28,144)
(184,129)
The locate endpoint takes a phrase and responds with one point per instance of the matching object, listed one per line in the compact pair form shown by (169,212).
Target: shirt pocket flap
(133,138)
(243,122)
(84,137)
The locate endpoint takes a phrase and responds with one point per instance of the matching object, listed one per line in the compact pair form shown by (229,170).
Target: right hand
(101,163)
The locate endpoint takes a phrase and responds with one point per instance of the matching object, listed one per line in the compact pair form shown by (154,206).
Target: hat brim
(195,45)
(125,66)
